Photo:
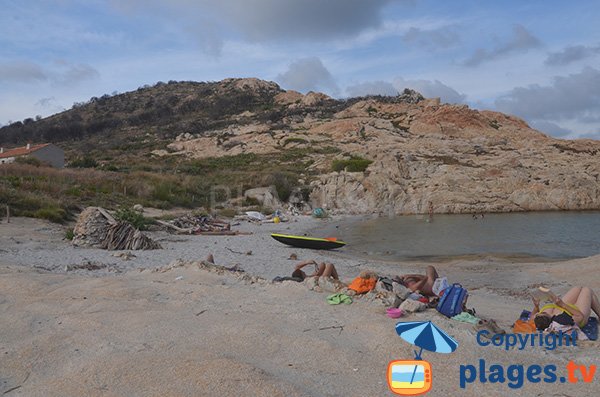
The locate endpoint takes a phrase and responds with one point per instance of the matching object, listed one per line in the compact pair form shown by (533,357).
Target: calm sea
(553,235)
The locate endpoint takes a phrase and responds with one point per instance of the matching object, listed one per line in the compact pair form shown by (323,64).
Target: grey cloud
(571,54)
(207,36)
(573,99)
(520,41)
(76,74)
(308,74)
(431,89)
(265,20)
(573,96)
(49,104)
(312,19)
(550,128)
(22,72)
(372,88)
(441,38)
(591,135)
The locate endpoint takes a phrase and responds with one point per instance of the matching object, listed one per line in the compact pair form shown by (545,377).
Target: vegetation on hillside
(108,142)
(45,192)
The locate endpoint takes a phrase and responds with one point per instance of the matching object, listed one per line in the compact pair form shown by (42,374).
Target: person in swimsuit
(321,270)
(420,283)
(574,307)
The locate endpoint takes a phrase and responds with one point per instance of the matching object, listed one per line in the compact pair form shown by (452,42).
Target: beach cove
(153,326)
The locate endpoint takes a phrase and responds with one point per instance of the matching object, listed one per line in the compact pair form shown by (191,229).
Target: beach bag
(453,301)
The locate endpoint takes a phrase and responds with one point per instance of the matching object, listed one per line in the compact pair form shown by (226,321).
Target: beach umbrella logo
(413,377)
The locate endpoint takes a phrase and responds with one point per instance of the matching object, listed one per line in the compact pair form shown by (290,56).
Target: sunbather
(420,283)
(574,307)
(321,270)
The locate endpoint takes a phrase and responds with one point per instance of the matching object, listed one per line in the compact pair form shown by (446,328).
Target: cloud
(48,104)
(308,19)
(550,128)
(270,20)
(571,54)
(431,89)
(573,99)
(521,41)
(29,72)
(573,96)
(75,74)
(308,74)
(434,38)
(372,88)
(21,72)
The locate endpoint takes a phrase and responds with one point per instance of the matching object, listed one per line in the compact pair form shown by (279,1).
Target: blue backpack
(453,300)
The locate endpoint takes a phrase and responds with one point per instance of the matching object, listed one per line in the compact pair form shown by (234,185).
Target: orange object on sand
(362,285)
(524,327)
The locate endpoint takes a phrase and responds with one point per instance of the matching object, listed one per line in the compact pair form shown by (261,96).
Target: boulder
(266,196)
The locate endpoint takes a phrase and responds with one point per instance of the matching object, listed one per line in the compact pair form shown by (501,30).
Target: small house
(46,152)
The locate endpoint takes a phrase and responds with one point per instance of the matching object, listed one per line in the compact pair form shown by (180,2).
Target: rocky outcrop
(456,158)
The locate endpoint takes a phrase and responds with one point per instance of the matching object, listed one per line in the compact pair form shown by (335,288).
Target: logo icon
(413,377)
(409,377)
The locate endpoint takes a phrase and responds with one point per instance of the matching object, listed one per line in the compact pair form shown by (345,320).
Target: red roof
(21,151)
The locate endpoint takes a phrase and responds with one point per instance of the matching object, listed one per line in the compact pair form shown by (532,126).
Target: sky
(539,60)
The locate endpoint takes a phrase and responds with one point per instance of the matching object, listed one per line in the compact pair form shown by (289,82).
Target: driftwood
(97,228)
(123,236)
(204,225)
(176,228)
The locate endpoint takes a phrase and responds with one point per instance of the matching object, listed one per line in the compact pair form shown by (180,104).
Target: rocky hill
(372,154)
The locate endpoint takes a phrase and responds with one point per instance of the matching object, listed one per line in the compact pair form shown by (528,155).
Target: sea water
(552,235)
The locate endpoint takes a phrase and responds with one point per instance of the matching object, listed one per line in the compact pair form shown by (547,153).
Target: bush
(354,164)
(69,235)
(29,160)
(83,162)
(283,182)
(53,214)
(135,218)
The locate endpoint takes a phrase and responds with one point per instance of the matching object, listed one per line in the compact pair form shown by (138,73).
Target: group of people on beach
(573,309)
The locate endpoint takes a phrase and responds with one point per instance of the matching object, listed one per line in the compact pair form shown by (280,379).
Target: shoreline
(181,330)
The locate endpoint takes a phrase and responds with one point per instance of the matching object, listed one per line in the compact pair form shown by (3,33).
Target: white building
(46,152)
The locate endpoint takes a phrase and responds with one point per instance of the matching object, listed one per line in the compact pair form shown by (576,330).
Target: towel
(336,299)
(466,318)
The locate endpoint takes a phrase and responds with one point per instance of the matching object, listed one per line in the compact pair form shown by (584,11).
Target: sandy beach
(154,326)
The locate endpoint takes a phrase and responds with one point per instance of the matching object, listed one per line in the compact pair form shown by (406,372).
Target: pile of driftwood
(97,228)
(123,236)
(197,224)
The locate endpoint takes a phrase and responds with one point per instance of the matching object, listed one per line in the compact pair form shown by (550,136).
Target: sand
(144,328)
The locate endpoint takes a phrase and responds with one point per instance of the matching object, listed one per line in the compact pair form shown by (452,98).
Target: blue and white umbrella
(426,335)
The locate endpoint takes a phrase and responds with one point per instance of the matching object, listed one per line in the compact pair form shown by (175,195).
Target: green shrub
(69,234)
(83,162)
(283,182)
(53,214)
(354,164)
(135,218)
(29,160)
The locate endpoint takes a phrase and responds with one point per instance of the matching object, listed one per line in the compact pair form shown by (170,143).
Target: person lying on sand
(321,270)
(573,308)
(420,283)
